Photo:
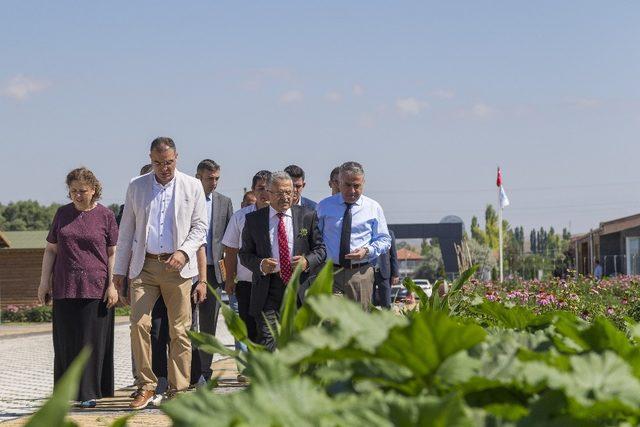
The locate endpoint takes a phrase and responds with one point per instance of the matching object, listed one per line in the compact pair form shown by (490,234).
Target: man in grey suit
(297,177)
(386,274)
(219,210)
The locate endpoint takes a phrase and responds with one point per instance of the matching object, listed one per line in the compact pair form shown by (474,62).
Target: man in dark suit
(297,177)
(274,240)
(386,274)
(219,210)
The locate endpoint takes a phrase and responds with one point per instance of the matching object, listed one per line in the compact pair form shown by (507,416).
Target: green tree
(477,233)
(27,215)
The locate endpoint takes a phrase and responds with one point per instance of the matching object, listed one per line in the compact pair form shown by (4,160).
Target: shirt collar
(357,202)
(209,196)
(273,212)
(167,185)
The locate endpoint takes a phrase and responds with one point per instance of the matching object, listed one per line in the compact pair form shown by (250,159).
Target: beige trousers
(153,281)
(356,284)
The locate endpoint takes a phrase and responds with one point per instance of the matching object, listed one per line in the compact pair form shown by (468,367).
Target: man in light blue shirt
(355,233)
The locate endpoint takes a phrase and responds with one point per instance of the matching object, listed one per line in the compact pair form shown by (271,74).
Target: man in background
(297,177)
(219,210)
(386,275)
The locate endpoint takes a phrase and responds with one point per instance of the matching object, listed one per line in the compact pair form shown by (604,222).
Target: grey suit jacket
(222,209)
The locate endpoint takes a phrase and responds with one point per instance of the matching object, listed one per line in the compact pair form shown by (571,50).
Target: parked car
(400,294)
(425,285)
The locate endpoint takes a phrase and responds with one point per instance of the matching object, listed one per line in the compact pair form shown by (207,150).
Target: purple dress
(80,276)
(80,270)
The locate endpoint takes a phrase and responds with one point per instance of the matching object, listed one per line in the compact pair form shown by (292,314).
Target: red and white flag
(504,200)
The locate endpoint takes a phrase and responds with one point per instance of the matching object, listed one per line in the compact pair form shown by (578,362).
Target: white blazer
(189,230)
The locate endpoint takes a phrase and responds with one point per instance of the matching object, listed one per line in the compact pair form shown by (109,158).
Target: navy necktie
(345,237)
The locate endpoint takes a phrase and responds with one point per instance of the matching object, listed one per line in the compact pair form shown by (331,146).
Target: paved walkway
(26,375)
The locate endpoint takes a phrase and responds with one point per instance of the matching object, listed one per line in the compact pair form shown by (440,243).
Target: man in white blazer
(163,225)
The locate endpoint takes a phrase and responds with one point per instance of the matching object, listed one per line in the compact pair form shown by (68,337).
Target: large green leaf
(275,398)
(66,389)
(512,318)
(600,377)
(322,285)
(428,341)
(236,326)
(289,308)
(210,344)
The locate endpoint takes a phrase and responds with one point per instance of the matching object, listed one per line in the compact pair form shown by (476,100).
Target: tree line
(30,215)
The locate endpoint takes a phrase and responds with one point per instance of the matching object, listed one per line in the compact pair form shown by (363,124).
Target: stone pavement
(26,376)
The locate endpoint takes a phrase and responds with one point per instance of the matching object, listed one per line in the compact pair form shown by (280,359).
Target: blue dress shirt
(368,226)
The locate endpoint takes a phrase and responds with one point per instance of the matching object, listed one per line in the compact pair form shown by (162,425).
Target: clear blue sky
(430,97)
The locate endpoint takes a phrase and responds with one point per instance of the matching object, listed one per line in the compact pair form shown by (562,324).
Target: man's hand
(358,254)
(176,261)
(111,296)
(302,260)
(230,286)
(199,293)
(123,299)
(395,281)
(268,265)
(118,281)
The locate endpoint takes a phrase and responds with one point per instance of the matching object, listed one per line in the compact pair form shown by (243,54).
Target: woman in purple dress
(77,274)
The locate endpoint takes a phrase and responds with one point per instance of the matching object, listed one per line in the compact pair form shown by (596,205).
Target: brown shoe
(135,393)
(142,400)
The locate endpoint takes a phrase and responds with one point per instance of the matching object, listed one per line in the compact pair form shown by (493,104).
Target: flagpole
(500,234)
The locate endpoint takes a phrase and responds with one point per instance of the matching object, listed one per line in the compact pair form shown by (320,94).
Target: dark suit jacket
(308,203)
(388,261)
(256,245)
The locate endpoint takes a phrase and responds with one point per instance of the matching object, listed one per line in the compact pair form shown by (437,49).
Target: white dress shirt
(233,239)
(274,220)
(161,218)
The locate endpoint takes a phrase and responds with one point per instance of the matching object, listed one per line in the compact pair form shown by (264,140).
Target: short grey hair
(354,168)
(278,176)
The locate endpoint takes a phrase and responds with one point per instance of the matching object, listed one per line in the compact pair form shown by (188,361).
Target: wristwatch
(202,281)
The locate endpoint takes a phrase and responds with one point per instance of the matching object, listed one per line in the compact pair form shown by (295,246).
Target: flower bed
(616,297)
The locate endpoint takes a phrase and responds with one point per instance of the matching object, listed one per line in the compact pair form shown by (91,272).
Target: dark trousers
(381,291)
(78,323)
(208,312)
(159,338)
(271,312)
(243,295)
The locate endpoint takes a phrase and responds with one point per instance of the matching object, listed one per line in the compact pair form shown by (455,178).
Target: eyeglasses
(163,164)
(281,194)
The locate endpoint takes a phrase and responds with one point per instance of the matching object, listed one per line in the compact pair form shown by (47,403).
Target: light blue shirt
(368,226)
(161,219)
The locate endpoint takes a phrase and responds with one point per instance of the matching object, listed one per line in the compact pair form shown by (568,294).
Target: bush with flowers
(614,297)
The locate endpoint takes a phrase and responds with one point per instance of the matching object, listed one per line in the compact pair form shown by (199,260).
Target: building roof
(23,239)
(616,225)
(406,254)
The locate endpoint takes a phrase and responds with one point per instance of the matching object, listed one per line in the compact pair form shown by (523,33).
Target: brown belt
(158,257)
